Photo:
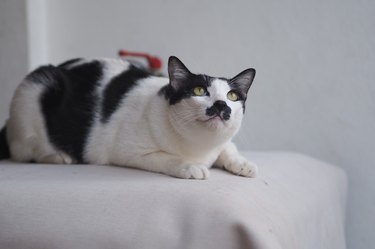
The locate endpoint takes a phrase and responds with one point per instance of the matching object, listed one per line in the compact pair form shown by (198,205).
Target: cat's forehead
(219,85)
(201,79)
(209,81)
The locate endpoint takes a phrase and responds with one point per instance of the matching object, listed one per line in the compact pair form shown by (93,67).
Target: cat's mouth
(214,118)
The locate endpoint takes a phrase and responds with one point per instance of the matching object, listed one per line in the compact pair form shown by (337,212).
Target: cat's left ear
(178,72)
(243,80)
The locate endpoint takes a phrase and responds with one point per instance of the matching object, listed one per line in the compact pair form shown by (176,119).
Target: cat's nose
(219,108)
(220,105)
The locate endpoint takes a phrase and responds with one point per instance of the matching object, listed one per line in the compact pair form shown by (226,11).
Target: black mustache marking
(219,108)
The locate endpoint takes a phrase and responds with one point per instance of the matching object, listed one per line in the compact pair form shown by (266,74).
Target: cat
(111,112)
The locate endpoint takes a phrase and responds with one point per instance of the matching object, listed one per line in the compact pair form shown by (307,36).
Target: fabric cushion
(296,202)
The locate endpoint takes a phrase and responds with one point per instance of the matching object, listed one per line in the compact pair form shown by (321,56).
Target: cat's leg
(40,150)
(26,129)
(35,148)
(230,160)
(32,147)
(169,164)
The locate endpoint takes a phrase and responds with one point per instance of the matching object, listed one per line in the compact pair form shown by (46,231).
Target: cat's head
(205,107)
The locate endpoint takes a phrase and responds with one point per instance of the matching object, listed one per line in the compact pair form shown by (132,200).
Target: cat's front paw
(193,171)
(242,167)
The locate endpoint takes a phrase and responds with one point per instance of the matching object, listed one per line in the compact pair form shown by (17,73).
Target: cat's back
(55,106)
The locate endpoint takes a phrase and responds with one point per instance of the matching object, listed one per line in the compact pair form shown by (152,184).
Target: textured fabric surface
(296,202)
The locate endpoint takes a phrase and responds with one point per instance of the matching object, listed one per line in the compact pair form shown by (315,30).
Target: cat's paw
(242,167)
(58,158)
(193,171)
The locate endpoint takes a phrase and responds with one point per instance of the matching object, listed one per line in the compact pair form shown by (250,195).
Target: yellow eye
(199,91)
(232,96)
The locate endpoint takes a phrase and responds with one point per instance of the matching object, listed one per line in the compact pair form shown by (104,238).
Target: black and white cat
(109,111)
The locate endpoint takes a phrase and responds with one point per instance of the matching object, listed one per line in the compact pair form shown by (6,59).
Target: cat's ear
(178,72)
(243,80)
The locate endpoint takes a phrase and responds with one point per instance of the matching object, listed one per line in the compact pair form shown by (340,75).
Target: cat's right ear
(178,72)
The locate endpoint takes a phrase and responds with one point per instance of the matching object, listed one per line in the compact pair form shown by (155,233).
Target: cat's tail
(4,147)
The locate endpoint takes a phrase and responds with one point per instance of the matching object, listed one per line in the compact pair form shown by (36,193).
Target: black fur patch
(193,80)
(117,88)
(69,62)
(4,148)
(44,75)
(241,84)
(68,104)
(219,108)
(241,95)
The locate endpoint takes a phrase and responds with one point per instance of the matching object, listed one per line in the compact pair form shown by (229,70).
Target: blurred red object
(154,62)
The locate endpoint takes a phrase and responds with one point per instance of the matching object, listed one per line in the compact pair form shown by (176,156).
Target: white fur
(144,132)
(26,131)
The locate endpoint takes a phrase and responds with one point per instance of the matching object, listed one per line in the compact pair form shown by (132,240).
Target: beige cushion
(297,202)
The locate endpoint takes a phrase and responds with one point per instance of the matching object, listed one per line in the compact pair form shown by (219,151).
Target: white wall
(314,91)
(37,33)
(13,51)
